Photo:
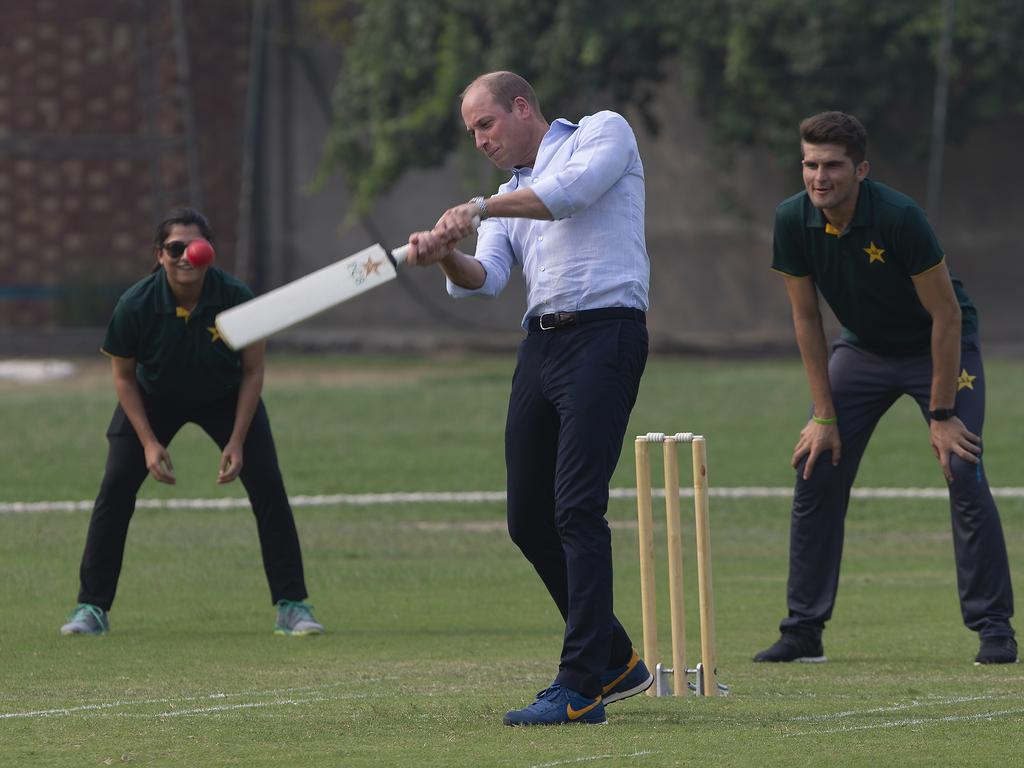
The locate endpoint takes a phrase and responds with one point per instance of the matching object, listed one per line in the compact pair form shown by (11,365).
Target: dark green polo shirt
(180,355)
(865,272)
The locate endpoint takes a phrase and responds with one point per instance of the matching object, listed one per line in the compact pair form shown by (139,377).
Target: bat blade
(307,296)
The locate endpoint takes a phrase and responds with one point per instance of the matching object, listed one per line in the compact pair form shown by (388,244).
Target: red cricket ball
(199,253)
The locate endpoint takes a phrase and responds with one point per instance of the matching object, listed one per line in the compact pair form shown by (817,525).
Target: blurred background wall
(114,111)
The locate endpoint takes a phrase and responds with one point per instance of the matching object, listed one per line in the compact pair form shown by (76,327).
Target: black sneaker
(997,650)
(794,647)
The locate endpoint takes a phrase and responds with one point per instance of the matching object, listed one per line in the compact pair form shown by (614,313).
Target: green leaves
(754,67)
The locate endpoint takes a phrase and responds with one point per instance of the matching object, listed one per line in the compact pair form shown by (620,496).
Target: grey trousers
(864,386)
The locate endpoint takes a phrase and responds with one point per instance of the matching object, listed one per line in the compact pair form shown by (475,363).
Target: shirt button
(541,238)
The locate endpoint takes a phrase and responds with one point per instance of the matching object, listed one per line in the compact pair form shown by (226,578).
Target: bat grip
(401,253)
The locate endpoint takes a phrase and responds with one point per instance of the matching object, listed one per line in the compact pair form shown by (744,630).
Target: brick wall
(93,150)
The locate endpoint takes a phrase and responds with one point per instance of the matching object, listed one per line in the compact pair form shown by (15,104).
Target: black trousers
(572,394)
(126,471)
(864,386)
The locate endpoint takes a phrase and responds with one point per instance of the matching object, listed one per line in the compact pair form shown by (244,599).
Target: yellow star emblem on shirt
(965,380)
(214,334)
(874,253)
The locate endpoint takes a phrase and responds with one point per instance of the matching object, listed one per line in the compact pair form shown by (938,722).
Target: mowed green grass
(436,623)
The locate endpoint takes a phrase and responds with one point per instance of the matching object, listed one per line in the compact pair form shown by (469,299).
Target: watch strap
(481,204)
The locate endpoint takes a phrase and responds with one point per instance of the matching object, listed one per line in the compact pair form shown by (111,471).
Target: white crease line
(475,497)
(98,708)
(916,721)
(105,705)
(85,708)
(246,705)
(902,707)
(592,758)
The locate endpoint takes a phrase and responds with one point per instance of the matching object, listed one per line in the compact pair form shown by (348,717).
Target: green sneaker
(86,619)
(294,617)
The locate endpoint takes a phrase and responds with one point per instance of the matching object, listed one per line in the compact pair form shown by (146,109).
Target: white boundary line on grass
(473,497)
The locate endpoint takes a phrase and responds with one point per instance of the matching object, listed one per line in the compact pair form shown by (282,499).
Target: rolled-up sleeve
(494,252)
(605,148)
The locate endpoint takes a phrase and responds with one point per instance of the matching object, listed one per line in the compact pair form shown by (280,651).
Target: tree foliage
(758,66)
(754,67)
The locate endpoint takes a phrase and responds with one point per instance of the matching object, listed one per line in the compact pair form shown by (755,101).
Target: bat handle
(401,253)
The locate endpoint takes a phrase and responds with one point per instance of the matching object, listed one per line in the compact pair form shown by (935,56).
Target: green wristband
(819,420)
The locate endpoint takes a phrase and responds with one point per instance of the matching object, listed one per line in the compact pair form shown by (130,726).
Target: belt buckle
(552,320)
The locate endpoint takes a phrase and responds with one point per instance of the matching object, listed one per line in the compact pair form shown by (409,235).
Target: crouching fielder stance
(908,328)
(572,215)
(171,367)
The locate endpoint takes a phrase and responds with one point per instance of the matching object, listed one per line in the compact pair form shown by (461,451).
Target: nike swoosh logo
(576,714)
(615,682)
(620,678)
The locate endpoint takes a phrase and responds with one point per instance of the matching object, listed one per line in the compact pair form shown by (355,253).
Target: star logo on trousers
(965,380)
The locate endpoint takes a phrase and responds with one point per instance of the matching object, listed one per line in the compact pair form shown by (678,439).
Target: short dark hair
(837,128)
(186,217)
(505,87)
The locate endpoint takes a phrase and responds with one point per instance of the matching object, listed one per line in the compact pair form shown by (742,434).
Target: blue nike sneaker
(556,706)
(625,681)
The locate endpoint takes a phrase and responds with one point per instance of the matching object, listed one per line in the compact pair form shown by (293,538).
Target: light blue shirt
(589,176)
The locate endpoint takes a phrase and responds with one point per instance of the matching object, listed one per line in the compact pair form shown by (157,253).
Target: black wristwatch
(941,414)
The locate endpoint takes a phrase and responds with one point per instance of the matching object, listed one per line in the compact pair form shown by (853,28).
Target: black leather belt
(554,320)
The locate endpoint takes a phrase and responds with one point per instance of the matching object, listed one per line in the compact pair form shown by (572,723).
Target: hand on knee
(965,473)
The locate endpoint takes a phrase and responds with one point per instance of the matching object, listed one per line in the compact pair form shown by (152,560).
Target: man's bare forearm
(521,204)
(810,338)
(945,360)
(463,270)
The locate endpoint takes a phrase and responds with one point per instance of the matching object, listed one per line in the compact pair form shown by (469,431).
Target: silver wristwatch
(481,205)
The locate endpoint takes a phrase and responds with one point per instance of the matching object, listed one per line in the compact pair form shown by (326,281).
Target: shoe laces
(303,610)
(550,692)
(85,610)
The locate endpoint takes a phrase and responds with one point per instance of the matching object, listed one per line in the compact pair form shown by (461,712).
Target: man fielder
(908,328)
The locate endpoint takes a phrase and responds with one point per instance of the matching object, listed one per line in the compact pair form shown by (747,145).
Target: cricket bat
(300,299)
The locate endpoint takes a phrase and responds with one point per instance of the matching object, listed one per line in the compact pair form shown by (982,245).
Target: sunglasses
(175,249)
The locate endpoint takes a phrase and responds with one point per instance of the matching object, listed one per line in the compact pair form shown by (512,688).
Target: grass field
(436,623)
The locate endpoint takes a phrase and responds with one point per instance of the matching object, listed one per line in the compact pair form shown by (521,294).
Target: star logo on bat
(371,266)
(874,253)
